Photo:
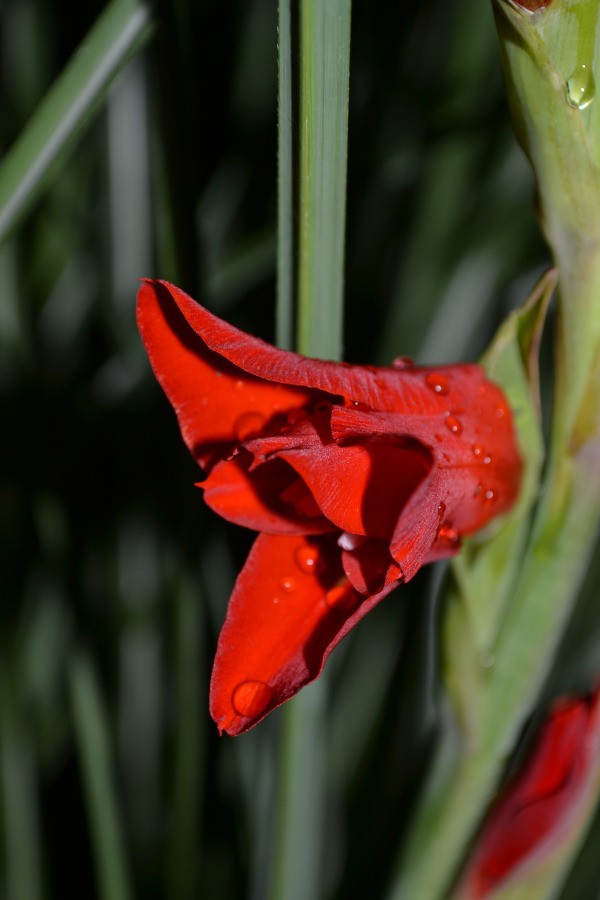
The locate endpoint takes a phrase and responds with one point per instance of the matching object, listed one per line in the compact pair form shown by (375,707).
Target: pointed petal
(290,606)
(418,526)
(217,403)
(380,388)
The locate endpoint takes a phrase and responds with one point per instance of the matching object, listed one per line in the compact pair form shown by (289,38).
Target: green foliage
(114,578)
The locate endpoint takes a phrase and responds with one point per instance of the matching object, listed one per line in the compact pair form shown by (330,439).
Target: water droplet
(251,698)
(276,600)
(239,384)
(288,584)
(438,438)
(447,457)
(478,490)
(441,509)
(499,412)
(342,597)
(481,455)
(307,559)
(438,383)
(350,541)
(489,496)
(356,404)
(487,660)
(248,425)
(453,424)
(581,88)
(448,535)
(403,362)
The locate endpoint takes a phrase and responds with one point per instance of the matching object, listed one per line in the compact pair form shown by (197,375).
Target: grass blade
(118,33)
(92,735)
(285,183)
(324,85)
(324,78)
(18,790)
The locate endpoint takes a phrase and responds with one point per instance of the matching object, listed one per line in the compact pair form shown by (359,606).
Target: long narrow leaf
(285,183)
(324,78)
(92,735)
(324,85)
(118,33)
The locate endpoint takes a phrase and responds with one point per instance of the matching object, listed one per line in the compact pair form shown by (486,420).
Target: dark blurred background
(114,576)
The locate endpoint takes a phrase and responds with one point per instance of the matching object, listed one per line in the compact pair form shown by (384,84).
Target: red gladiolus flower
(544,799)
(354,477)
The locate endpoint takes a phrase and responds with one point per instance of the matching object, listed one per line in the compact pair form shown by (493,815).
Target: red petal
(478,461)
(369,566)
(360,488)
(217,404)
(406,389)
(257,499)
(537,808)
(290,606)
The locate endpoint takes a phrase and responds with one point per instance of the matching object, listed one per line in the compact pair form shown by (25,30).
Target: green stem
(285,183)
(119,32)
(324,78)
(562,539)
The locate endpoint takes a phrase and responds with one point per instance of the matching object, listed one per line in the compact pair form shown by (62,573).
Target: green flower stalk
(511,596)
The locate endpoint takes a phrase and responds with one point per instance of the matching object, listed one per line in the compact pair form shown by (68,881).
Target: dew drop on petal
(487,459)
(342,597)
(499,412)
(251,698)
(478,490)
(438,438)
(402,362)
(288,585)
(489,496)
(441,509)
(477,450)
(239,384)
(453,424)
(448,535)
(275,600)
(248,425)
(438,383)
(362,407)
(307,559)
(348,541)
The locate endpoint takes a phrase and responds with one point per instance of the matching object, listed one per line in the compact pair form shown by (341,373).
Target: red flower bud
(535,811)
